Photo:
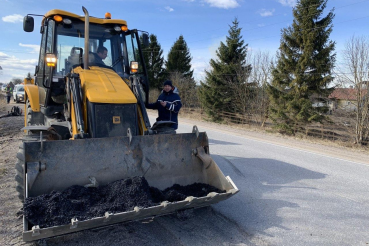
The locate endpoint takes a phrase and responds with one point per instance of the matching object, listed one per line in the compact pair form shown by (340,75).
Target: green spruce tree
(179,59)
(303,72)
(228,71)
(154,61)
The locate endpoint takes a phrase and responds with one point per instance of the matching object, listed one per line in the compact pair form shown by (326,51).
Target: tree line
(291,88)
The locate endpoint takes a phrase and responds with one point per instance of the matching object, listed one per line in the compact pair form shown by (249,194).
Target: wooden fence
(330,132)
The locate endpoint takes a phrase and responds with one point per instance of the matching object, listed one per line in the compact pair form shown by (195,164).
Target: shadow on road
(266,186)
(213,141)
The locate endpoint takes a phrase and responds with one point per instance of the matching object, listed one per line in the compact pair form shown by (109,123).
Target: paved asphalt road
(290,196)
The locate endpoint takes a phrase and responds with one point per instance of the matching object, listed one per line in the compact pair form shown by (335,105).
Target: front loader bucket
(164,160)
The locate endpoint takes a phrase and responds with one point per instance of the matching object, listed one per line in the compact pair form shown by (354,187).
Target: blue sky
(203,24)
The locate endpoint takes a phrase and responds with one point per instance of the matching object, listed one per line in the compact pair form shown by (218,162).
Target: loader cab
(63,40)
(68,49)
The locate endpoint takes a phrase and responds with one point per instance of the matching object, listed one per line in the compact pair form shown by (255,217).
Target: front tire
(19,177)
(33,118)
(19,166)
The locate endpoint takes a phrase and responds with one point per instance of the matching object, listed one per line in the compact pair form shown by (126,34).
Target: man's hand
(163,103)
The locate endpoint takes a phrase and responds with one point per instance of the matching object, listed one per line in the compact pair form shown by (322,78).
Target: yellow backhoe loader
(86,123)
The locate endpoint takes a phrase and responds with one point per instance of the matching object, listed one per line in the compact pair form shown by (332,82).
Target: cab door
(43,75)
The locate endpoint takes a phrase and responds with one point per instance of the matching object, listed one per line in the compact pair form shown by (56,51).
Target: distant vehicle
(15,91)
(3,87)
(18,93)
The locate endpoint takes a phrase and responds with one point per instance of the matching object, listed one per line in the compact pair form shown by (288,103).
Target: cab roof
(92,19)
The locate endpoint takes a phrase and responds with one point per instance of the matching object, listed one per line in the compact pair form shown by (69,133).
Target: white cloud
(35,47)
(265,12)
(13,18)
(169,9)
(223,4)
(215,45)
(3,56)
(17,64)
(19,76)
(199,64)
(291,3)
(15,67)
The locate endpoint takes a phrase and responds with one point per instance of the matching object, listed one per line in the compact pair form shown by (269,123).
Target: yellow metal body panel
(73,119)
(29,81)
(82,18)
(25,114)
(103,85)
(31,92)
(141,122)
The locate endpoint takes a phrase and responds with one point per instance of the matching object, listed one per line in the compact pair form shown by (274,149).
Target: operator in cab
(100,55)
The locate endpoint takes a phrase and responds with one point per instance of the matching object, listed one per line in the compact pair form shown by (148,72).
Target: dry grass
(338,134)
(3,171)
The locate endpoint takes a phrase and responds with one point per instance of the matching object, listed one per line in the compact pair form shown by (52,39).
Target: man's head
(102,52)
(168,85)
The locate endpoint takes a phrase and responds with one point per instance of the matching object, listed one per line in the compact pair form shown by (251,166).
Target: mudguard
(31,93)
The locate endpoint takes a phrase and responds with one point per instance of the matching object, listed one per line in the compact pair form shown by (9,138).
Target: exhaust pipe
(87,38)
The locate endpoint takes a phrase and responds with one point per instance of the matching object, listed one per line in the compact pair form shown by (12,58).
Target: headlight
(134,66)
(50,60)
(67,21)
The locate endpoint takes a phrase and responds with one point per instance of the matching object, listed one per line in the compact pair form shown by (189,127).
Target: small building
(344,99)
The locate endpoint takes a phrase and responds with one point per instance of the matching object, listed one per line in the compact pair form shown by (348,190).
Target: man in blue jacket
(168,104)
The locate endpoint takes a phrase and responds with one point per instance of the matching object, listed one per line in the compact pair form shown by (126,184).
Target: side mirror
(28,23)
(145,39)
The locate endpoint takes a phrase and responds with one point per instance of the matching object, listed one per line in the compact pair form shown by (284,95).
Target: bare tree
(356,67)
(153,95)
(250,97)
(241,89)
(261,74)
(186,88)
(16,81)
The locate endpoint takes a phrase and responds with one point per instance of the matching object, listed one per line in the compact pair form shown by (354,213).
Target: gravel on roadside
(11,222)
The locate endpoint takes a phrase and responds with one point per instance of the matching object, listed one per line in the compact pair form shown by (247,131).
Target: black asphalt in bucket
(58,208)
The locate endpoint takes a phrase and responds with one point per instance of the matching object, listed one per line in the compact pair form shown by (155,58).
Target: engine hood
(103,85)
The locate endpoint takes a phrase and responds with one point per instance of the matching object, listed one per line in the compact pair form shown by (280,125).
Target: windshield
(105,47)
(20,88)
